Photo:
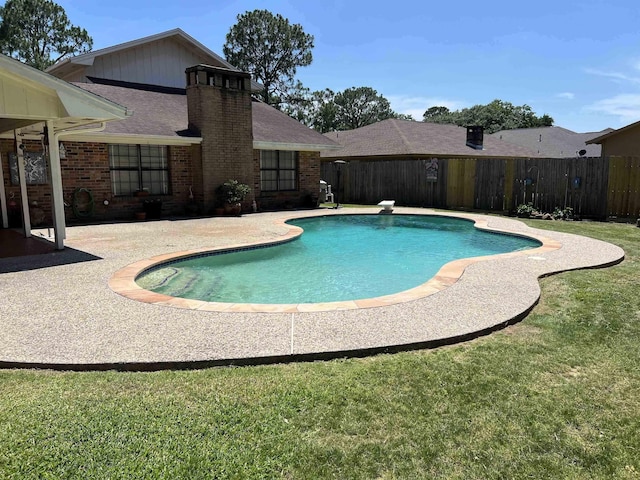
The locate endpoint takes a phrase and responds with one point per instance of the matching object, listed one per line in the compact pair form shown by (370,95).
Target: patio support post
(56,187)
(24,199)
(3,200)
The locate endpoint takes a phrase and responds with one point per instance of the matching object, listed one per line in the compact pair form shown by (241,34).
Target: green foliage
(315,109)
(357,107)
(327,111)
(405,116)
(296,102)
(525,209)
(38,33)
(565,213)
(232,191)
(438,115)
(495,116)
(271,49)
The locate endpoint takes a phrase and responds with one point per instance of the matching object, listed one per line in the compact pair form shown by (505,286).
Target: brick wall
(223,118)
(87,166)
(39,196)
(308,185)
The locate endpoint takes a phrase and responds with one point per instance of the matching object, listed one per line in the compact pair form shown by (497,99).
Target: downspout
(56,177)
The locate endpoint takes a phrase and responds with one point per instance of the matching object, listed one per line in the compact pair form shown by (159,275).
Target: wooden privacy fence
(623,199)
(594,187)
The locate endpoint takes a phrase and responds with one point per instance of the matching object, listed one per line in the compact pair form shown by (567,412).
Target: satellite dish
(582,152)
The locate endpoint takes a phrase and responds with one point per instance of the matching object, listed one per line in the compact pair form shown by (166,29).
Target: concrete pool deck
(59,311)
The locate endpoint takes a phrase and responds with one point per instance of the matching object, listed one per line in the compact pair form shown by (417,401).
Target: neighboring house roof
(395,137)
(163,118)
(552,142)
(69,65)
(612,133)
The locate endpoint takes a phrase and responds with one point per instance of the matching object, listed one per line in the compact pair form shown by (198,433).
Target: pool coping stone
(90,315)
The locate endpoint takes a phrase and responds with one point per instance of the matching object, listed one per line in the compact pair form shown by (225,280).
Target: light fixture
(62,150)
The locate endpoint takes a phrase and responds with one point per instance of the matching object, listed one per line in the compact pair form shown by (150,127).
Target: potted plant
(152,207)
(232,193)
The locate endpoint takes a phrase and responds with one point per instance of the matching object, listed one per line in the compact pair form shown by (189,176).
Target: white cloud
(567,95)
(416,106)
(615,76)
(626,107)
(635,64)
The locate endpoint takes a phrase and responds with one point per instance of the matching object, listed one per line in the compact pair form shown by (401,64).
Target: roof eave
(87,59)
(426,155)
(599,139)
(301,147)
(134,138)
(67,93)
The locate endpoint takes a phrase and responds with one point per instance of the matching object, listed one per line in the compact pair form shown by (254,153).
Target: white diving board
(387,205)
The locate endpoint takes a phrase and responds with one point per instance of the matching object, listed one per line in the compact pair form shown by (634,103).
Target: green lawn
(556,396)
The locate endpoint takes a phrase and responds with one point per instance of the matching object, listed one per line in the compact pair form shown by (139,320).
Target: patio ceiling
(29,97)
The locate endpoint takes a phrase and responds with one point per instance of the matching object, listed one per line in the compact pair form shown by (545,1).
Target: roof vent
(475,137)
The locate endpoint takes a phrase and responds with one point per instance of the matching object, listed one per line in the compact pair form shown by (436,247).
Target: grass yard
(556,396)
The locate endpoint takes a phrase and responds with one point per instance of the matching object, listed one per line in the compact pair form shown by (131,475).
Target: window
(278,170)
(139,167)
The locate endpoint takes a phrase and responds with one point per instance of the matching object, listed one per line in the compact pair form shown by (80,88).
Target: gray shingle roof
(273,126)
(153,113)
(404,137)
(552,142)
(166,114)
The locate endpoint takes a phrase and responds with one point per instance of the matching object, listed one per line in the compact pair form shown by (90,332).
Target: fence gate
(624,185)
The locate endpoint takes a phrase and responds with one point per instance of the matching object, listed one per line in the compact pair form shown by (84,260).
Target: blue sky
(578,61)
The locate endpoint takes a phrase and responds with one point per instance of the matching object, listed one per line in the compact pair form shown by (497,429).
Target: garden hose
(88,205)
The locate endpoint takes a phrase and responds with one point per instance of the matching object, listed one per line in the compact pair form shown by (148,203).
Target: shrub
(233,191)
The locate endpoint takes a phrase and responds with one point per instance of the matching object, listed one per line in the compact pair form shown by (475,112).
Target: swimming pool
(345,257)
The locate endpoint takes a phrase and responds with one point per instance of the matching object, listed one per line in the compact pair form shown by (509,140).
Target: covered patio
(36,106)
(15,244)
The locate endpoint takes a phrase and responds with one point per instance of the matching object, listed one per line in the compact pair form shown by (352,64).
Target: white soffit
(28,93)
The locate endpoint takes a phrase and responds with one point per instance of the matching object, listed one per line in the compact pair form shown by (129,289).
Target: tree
(271,49)
(315,109)
(357,107)
(438,115)
(326,111)
(39,33)
(404,116)
(324,116)
(495,116)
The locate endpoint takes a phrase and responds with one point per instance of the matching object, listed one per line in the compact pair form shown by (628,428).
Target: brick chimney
(475,137)
(219,110)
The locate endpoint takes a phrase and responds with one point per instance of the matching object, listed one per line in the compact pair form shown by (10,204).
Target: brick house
(193,124)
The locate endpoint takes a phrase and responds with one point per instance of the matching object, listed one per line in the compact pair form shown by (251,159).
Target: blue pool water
(344,257)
